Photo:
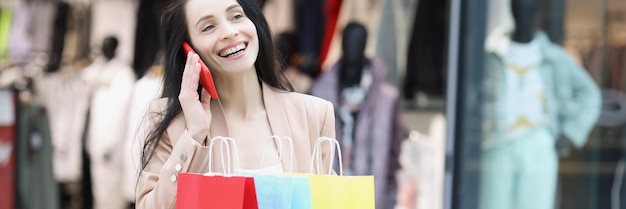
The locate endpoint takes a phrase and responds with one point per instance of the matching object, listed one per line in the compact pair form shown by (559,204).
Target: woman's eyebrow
(203,18)
(211,16)
(232,7)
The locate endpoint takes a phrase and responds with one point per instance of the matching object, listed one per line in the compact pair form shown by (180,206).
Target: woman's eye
(208,27)
(237,16)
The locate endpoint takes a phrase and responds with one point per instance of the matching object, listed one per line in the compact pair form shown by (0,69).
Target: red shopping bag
(220,192)
(215,191)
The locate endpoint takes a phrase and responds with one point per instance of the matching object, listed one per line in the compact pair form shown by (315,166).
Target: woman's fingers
(194,111)
(194,71)
(206,104)
(191,74)
(206,97)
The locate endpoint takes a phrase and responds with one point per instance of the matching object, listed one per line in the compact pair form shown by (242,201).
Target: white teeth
(232,50)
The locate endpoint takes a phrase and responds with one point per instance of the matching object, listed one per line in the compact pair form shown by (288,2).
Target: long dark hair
(174,32)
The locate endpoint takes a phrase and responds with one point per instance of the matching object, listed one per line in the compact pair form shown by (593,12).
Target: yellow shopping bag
(339,192)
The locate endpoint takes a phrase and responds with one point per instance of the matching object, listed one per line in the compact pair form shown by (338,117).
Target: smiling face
(222,34)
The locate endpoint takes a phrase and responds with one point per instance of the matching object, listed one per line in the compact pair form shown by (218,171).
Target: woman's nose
(229,31)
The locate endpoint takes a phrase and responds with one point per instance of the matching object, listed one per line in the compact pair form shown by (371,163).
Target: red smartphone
(206,80)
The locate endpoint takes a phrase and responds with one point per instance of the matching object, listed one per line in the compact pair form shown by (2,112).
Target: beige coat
(302,117)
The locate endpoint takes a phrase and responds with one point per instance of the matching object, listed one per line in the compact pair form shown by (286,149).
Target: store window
(539,119)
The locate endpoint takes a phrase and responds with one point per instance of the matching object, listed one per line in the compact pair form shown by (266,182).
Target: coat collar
(274,108)
(498,41)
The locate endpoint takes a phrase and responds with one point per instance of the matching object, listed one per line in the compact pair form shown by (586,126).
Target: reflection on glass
(540,102)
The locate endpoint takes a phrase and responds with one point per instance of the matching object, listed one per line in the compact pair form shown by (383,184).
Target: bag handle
(279,142)
(224,141)
(317,155)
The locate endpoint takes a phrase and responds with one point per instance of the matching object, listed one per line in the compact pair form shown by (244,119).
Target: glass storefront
(537,104)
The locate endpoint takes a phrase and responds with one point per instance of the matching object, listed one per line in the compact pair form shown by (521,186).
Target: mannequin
(367,107)
(539,95)
(112,81)
(523,15)
(353,57)
(109,45)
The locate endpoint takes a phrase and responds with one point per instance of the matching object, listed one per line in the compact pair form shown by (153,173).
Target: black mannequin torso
(524,15)
(353,58)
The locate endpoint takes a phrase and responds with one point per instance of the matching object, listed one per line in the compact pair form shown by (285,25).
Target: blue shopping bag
(301,192)
(277,190)
(273,191)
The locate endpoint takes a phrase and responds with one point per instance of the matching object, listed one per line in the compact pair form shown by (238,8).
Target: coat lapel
(218,121)
(278,120)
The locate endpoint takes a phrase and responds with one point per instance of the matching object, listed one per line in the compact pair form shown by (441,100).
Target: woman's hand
(197,112)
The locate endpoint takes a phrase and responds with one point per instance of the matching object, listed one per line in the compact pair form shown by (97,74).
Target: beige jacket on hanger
(279,15)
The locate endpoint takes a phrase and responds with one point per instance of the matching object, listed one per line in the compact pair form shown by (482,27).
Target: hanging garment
(147,37)
(58,35)
(83,24)
(310,24)
(147,88)
(425,67)
(279,15)
(6,15)
(387,42)
(37,187)
(42,25)
(66,97)
(20,39)
(113,83)
(377,132)
(31,33)
(396,21)
(331,11)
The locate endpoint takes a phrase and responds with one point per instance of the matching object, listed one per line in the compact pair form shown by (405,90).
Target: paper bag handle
(224,141)
(317,154)
(279,141)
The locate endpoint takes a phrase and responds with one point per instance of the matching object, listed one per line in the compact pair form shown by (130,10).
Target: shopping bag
(216,191)
(200,191)
(275,190)
(339,192)
(301,192)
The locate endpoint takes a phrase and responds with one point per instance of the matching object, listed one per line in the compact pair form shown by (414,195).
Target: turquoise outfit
(520,171)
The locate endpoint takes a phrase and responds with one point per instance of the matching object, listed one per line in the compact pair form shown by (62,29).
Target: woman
(255,101)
